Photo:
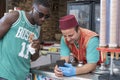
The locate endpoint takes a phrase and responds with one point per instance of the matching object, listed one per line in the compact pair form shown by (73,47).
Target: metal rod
(111,67)
(111,64)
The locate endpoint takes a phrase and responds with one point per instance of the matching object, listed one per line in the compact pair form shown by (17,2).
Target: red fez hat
(67,22)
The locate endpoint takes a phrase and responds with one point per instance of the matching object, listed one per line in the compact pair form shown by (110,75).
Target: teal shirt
(14,53)
(92,54)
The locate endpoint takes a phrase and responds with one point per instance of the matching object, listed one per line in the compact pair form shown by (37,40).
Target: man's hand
(34,44)
(58,72)
(68,70)
(34,47)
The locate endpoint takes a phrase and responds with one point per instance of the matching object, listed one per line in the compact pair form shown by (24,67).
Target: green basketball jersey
(14,53)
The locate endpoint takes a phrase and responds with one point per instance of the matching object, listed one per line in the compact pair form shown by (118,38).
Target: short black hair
(44,3)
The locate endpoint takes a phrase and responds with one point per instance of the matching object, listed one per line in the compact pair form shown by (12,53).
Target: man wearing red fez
(82,43)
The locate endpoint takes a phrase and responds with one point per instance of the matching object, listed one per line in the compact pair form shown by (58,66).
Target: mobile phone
(60,63)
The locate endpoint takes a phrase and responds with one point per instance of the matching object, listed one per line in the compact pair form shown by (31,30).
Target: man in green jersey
(16,50)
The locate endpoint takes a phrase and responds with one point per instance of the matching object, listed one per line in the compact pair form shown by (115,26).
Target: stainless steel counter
(89,76)
(48,71)
(99,74)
